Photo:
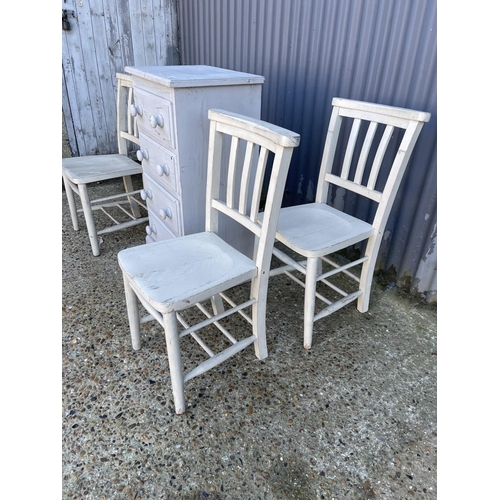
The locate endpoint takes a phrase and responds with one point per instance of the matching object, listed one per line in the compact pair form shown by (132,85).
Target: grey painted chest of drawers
(171,104)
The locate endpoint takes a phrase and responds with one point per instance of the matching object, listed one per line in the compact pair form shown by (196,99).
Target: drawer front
(157,231)
(157,116)
(162,205)
(160,164)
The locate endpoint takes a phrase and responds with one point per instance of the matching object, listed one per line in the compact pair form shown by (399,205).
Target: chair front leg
(174,361)
(133,315)
(71,202)
(89,218)
(310,300)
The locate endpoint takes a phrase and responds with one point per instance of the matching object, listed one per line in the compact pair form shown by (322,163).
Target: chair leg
(71,203)
(366,277)
(133,315)
(310,300)
(259,317)
(89,219)
(174,361)
(134,207)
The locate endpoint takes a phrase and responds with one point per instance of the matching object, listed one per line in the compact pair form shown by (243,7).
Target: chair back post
(397,171)
(263,248)
(213,177)
(328,155)
(126,127)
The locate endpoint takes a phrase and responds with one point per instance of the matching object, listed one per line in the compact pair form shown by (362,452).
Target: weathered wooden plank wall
(106,36)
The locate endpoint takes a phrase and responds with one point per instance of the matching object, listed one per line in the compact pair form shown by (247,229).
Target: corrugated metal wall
(312,50)
(103,39)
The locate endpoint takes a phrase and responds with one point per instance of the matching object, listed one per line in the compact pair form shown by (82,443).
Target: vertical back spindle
(245,178)
(231,173)
(377,162)
(259,181)
(365,150)
(353,137)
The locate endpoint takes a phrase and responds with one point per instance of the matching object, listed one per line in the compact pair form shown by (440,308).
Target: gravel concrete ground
(353,418)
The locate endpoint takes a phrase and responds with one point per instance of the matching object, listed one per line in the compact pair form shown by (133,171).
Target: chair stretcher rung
(217,324)
(303,285)
(196,337)
(341,269)
(337,305)
(115,196)
(219,358)
(154,314)
(147,318)
(233,304)
(333,287)
(123,225)
(288,260)
(280,270)
(215,318)
(118,204)
(202,344)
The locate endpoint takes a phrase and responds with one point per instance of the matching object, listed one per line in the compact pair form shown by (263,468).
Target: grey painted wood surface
(104,38)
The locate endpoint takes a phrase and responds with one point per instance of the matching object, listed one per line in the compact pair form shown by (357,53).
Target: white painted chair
(317,230)
(80,172)
(170,276)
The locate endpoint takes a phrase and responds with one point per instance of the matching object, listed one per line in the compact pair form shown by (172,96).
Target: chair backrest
(126,124)
(370,149)
(242,195)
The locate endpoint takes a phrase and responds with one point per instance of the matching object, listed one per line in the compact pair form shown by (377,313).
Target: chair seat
(316,229)
(174,274)
(93,168)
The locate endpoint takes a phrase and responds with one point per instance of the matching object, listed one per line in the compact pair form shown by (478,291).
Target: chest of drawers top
(193,76)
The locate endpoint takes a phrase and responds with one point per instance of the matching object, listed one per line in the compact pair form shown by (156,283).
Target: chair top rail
(381,109)
(281,136)
(126,80)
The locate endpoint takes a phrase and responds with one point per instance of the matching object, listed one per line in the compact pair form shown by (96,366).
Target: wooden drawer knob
(162,169)
(142,154)
(156,121)
(165,212)
(135,109)
(146,193)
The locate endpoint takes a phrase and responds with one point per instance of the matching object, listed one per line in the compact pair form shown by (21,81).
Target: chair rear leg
(174,361)
(133,315)
(71,203)
(259,290)
(89,219)
(366,277)
(310,300)
(134,207)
